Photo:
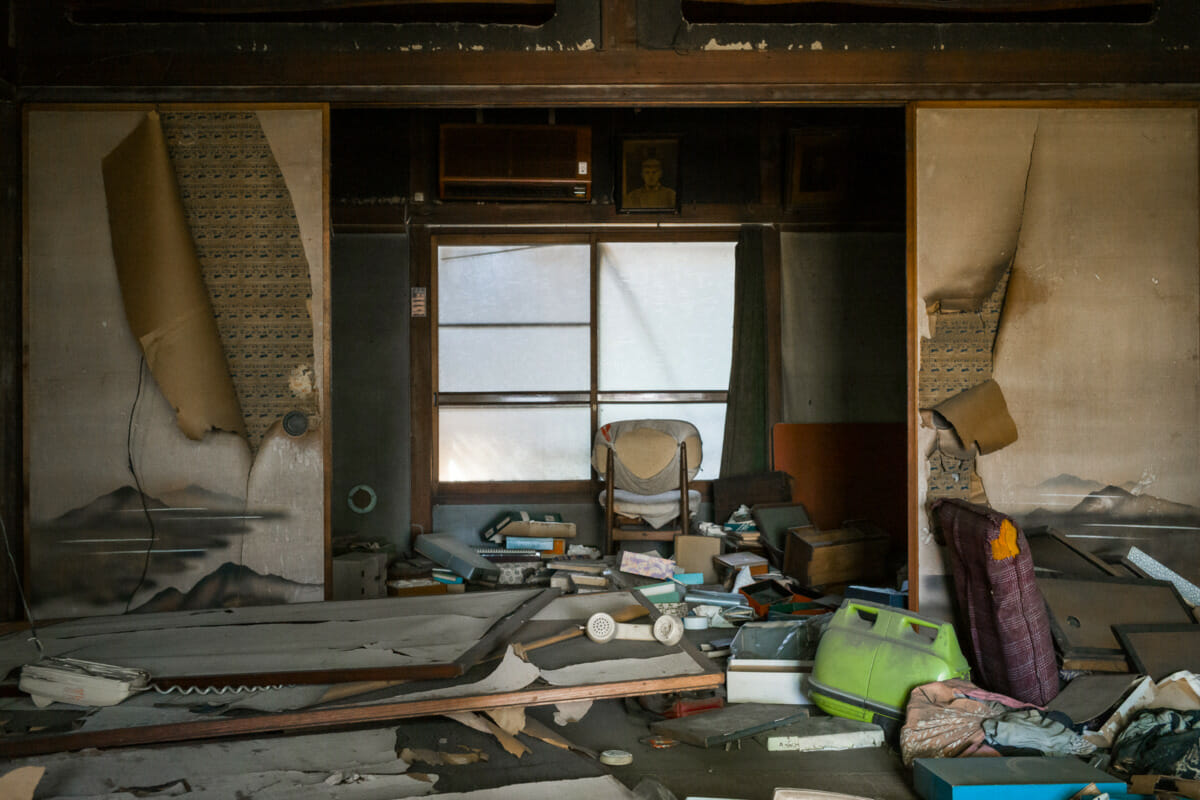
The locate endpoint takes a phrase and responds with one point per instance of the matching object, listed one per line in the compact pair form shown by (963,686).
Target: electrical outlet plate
(81,683)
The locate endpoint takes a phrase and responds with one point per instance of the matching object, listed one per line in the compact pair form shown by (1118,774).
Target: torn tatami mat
(357,765)
(578,670)
(393,632)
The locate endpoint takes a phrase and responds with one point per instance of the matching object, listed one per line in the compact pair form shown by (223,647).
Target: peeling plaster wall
(1098,352)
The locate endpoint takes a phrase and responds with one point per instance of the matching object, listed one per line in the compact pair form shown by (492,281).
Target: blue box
(1023,777)
(876,594)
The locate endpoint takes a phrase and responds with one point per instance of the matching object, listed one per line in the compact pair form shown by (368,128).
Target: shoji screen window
(538,342)
(665,323)
(513,361)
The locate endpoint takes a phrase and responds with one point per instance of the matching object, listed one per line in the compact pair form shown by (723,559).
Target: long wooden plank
(325,719)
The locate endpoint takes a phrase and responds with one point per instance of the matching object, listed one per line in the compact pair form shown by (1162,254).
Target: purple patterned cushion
(999,604)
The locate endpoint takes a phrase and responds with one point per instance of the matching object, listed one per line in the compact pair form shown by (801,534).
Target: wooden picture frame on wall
(818,168)
(648,180)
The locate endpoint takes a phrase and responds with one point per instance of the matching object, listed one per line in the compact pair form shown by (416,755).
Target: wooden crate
(856,553)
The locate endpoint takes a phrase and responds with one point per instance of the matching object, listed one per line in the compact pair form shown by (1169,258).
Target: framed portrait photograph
(649,174)
(818,167)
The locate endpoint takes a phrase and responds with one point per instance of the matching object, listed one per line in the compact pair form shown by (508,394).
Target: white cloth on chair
(655,509)
(647,453)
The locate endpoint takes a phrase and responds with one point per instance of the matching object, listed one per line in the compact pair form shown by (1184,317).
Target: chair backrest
(646,453)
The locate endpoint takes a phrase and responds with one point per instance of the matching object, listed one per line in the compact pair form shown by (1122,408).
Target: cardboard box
(360,576)
(413,587)
(856,553)
(522,523)
(732,562)
(695,554)
(768,680)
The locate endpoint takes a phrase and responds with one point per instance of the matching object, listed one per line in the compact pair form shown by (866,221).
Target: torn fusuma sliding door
(166,303)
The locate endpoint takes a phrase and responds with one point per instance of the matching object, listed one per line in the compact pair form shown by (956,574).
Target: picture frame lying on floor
(1084,611)
(1159,650)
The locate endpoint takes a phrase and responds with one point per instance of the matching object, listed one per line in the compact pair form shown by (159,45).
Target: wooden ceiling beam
(614,77)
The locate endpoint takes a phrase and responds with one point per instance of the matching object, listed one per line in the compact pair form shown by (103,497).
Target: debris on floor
(822,733)
(729,724)
(729,656)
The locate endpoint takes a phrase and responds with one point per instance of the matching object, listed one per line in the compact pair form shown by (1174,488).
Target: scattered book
(556,547)
(445,576)
(595,567)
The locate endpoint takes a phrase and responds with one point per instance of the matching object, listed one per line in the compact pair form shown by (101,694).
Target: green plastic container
(872,656)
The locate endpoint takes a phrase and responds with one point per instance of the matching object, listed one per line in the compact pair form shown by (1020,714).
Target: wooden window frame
(431,400)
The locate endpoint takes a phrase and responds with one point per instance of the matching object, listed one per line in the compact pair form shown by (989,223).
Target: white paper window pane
(513,283)
(514,444)
(666,315)
(514,359)
(709,419)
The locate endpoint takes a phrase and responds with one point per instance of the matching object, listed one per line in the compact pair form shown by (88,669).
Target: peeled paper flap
(980,415)
(166,303)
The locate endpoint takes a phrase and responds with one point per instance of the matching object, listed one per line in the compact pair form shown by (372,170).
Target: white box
(768,680)
(360,576)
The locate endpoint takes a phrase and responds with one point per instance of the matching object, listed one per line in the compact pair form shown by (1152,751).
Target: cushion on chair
(646,453)
(655,510)
(1001,608)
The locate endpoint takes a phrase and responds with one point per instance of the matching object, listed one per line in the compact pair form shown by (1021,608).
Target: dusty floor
(750,772)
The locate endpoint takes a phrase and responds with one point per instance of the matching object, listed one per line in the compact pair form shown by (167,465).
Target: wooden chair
(647,465)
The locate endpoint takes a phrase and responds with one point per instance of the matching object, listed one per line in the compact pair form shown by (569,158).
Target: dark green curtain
(746,435)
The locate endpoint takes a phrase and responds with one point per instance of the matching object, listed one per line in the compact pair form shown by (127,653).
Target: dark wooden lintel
(620,77)
(383,217)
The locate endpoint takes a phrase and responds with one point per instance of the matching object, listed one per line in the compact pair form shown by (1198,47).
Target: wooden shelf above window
(393,215)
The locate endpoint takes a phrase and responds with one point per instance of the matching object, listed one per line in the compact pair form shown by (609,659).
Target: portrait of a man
(649,174)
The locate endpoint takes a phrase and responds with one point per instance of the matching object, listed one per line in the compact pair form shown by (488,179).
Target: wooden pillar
(12,503)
